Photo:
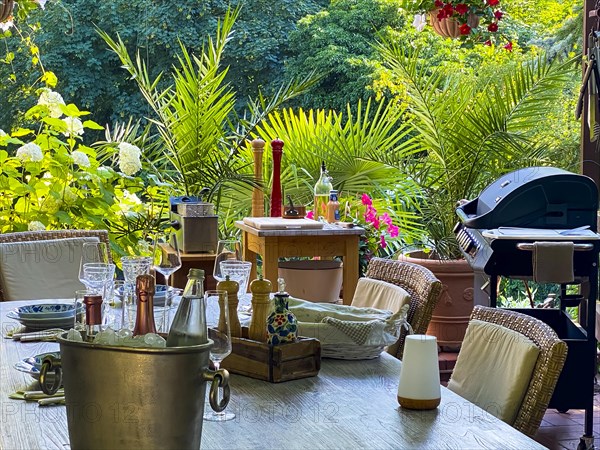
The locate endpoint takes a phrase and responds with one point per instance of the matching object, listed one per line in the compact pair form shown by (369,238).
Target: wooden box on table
(274,363)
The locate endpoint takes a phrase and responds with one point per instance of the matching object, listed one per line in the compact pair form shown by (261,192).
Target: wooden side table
(330,241)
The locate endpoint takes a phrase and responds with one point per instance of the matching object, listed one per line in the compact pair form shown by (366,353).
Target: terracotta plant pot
(314,280)
(6,9)
(450,27)
(451,315)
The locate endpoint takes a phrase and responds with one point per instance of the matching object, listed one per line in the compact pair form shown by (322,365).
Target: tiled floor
(560,431)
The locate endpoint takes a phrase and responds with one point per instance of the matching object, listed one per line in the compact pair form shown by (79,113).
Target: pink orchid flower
(310,215)
(382,242)
(366,200)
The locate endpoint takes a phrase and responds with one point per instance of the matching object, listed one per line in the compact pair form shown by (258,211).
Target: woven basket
(6,9)
(350,351)
(449,27)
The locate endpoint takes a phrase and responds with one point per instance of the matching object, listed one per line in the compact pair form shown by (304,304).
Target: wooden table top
(329,229)
(350,404)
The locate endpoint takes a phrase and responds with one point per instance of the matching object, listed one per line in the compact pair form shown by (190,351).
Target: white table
(350,404)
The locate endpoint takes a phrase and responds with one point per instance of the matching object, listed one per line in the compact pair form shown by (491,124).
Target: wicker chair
(548,367)
(424,288)
(102,235)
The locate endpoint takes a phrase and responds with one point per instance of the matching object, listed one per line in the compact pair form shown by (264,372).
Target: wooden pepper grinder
(258,199)
(276,198)
(231,287)
(261,308)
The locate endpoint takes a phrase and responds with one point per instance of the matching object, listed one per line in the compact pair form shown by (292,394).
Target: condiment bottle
(333,207)
(261,308)
(145,287)
(189,323)
(93,316)
(282,326)
(322,189)
(232,287)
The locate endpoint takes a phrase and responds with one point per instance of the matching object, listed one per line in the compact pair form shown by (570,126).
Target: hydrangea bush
(50,179)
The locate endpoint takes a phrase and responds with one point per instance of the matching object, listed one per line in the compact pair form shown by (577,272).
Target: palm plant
(199,133)
(469,132)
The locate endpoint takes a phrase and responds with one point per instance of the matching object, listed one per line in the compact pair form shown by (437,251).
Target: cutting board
(278,223)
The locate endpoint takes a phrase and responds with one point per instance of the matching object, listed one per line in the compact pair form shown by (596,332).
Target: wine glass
(166,260)
(226,249)
(92,252)
(217,324)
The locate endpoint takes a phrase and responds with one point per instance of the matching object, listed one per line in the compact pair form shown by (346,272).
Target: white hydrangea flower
(35,225)
(69,196)
(52,100)
(2,133)
(30,152)
(129,202)
(420,22)
(80,158)
(7,25)
(74,126)
(129,158)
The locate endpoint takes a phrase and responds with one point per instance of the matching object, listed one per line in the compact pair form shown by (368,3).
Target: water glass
(237,271)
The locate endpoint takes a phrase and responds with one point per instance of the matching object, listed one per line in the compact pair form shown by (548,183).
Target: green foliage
(470,131)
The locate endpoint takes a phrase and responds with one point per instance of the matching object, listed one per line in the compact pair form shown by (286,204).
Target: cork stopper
(231,286)
(261,286)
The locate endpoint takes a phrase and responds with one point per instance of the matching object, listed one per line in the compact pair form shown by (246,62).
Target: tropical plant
(469,132)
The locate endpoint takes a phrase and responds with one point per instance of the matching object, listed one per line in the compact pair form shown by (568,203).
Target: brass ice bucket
(134,398)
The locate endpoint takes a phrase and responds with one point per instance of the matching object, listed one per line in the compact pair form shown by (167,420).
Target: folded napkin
(357,331)
(553,262)
(40,397)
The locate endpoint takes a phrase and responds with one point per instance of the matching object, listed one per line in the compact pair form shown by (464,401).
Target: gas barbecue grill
(497,233)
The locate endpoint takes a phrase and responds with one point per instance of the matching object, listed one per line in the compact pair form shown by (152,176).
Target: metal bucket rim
(62,340)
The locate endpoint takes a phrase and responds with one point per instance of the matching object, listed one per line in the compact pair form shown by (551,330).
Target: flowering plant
(478,20)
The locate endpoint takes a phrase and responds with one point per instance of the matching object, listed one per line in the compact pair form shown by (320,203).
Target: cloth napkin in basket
(358,331)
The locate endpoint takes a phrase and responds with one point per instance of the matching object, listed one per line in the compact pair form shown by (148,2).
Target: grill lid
(534,197)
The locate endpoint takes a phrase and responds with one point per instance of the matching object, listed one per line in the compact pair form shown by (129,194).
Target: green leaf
(92,125)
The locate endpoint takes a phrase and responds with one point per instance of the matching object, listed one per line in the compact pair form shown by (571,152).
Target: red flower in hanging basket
(461,9)
(498,15)
(493,2)
(464,29)
(493,27)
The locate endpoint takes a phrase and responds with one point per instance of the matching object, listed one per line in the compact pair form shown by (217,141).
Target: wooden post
(258,200)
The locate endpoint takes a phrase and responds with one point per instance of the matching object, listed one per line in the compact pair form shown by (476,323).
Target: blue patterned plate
(46,311)
(33,364)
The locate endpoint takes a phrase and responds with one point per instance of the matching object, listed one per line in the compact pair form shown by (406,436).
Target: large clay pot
(451,315)
(6,9)
(450,27)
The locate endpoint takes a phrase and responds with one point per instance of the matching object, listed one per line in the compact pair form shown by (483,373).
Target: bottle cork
(261,308)
(232,288)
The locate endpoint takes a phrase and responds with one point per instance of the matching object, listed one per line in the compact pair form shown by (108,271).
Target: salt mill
(232,288)
(258,200)
(145,288)
(261,307)
(276,199)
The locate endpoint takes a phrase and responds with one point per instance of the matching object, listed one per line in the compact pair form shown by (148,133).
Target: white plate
(33,364)
(43,324)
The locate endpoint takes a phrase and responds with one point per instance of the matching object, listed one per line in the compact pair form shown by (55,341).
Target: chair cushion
(493,369)
(379,294)
(41,269)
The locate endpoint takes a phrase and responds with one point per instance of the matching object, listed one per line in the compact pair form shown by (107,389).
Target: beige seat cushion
(494,368)
(41,269)
(379,294)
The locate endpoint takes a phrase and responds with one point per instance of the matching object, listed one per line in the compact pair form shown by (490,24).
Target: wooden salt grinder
(232,288)
(261,308)
(258,200)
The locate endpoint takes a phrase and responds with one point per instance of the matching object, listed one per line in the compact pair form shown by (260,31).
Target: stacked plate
(44,316)
(33,365)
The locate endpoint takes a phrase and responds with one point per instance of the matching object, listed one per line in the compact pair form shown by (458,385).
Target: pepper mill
(144,289)
(276,199)
(258,199)
(231,287)
(261,308)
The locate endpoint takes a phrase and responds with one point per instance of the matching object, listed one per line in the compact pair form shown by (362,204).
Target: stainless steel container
(198,209)
(135,398)
(197,234)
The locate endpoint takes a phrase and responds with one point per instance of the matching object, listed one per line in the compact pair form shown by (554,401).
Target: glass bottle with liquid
(189,323)
(333,207)
(93,316)
(322,190)
(145,288)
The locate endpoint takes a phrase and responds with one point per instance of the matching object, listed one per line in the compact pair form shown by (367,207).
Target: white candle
(419,386)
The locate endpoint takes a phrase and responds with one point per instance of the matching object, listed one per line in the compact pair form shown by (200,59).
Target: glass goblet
(166,260)
(217,324)
(227,249)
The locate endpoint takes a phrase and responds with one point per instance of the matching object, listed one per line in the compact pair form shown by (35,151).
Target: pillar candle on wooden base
(419,386)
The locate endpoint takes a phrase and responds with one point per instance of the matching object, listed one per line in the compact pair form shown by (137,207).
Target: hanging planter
(450,26)
(6,9)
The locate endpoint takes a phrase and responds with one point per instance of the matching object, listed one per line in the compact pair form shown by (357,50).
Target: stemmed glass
(227,249)
(166,260)
(217,323)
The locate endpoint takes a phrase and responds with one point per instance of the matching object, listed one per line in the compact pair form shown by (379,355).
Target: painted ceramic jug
(282,325)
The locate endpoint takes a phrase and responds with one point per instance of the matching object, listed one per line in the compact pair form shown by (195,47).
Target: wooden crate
(274,363)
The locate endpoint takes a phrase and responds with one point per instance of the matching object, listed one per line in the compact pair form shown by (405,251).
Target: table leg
(350,269)
(271,263)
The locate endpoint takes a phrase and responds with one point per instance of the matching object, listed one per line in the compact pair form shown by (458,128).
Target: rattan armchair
(422,285)
(102,235)
(548,366)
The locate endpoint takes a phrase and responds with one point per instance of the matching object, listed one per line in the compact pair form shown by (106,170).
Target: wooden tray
(274,363)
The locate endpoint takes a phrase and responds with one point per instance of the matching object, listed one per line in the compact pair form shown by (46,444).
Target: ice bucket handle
(51,365)
(218,378)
